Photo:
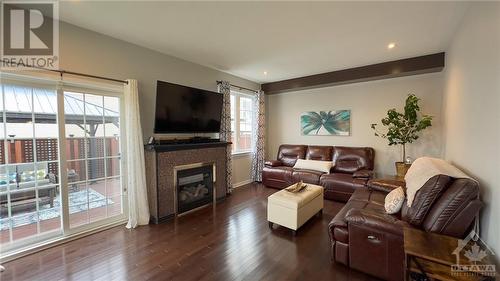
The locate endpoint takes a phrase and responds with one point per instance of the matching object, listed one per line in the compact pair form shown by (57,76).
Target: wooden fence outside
(21,151)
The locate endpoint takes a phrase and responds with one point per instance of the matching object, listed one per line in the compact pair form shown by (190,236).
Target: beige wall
(471,108)
(90,52)
(85,51)
(242,166)
(368,102)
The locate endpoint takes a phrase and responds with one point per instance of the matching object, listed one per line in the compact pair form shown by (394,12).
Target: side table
(440,257)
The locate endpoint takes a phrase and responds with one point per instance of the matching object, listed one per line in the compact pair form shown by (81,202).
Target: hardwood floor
(229,242)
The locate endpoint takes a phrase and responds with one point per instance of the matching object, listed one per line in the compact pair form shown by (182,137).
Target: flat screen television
(182,109)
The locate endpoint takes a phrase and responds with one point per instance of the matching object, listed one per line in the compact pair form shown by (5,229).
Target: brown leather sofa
(364,237)
(353,167)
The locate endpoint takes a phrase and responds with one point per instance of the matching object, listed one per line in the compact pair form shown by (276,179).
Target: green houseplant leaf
(403,128)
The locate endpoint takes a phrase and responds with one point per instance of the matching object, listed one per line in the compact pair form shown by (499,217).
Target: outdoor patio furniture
(25,201)
(22,194)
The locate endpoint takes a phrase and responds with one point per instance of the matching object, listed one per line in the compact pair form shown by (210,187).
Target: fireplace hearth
(195,187)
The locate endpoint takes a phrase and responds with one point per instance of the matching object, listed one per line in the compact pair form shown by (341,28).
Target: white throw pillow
(315,165)
(394,200)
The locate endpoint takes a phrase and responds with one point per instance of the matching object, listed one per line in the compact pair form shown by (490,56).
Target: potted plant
(403,128)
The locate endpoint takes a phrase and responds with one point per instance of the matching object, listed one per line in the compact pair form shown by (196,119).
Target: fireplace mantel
(184,146)
(161,161)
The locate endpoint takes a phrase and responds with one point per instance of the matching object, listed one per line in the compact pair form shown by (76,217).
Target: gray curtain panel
(258,152)
(225,128)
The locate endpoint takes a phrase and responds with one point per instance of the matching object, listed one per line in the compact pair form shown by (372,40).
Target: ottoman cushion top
(295,200)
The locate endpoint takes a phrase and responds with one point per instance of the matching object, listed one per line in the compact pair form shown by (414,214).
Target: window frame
(237,94)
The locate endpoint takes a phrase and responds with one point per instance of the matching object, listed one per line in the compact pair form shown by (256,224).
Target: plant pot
(401,169)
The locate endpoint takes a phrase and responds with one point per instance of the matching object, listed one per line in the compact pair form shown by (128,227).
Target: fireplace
(164,161)
(195,186)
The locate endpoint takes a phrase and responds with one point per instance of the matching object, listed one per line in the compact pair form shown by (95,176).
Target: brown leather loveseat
(353,167)
(364,237)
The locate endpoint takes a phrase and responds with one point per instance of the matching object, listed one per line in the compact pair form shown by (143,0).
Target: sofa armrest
(273,163)
(385,185)
(363,174)
(379,221)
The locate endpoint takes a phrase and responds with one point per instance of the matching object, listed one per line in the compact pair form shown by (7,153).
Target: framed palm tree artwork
(326,123)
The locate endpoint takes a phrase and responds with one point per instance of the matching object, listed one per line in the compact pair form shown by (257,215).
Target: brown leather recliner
(362,230)
(353,167)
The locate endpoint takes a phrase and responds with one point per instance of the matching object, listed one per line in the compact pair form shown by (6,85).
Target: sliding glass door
(60,161)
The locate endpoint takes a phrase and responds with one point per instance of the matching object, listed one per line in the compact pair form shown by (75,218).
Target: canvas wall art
(326,123)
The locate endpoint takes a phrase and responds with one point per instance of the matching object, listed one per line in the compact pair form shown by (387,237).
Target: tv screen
(182,109)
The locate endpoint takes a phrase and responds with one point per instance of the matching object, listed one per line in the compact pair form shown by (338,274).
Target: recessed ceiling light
(265,72)
(391,46)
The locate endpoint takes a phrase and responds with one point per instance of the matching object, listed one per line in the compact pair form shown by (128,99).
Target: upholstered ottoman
(292,210)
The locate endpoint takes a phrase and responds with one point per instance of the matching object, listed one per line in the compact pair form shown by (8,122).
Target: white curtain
(259,128)
(138,210)
(225,128)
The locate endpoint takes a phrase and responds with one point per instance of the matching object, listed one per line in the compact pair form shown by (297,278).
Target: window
(242,117)
(42,127)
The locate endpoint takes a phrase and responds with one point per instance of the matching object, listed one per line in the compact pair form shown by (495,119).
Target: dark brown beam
(385,70)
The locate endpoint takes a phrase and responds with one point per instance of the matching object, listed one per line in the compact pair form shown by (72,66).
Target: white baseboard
(242,183)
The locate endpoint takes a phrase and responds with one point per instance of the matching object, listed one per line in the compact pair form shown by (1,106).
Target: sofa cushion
(341,183)
(307,176)
(277,176)
(394,200)
(423,169)
(352,159)
(376,219)
(289,153)
(315,165)
(273,163)
(366,174)
(372,196)
(28,176)
(8,178)
(452,207)
(317,152)
(424,199)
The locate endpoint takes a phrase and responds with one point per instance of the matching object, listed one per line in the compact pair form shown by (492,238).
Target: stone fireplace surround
(161,161)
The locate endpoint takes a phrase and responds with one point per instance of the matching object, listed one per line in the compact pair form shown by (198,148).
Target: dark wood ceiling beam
(385,70)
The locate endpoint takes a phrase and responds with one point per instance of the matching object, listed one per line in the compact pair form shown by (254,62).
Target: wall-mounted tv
(182,109)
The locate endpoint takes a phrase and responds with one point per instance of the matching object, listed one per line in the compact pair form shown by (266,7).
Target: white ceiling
(286,39)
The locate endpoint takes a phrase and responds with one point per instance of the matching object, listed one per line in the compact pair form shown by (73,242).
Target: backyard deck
(111,190)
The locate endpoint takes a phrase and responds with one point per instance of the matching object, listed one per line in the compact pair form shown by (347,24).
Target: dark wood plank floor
(229,242)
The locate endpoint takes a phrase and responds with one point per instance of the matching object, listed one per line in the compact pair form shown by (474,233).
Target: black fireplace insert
(195,188)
